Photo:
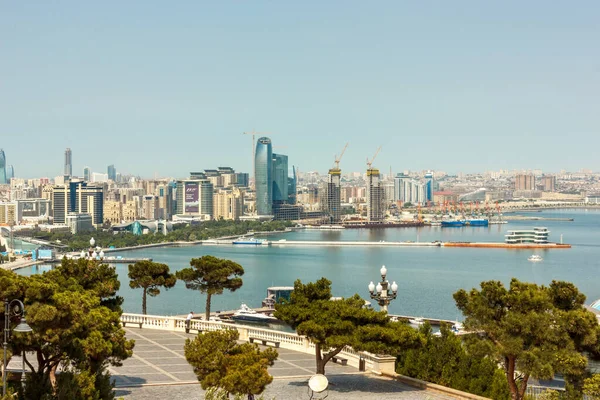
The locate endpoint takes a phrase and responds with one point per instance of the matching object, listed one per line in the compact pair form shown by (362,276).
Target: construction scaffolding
(375,196)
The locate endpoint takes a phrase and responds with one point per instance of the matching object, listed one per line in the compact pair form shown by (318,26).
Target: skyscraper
(375,196)
(429,186)
(68,163)
(87,174)
(525,182)
(2,168)
(292,182)
(263,173)
(333,195)
(10,173)
(112,173)
(280,181)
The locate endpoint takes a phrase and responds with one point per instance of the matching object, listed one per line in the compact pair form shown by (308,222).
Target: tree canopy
(75,316)
(333,324)
(150,276)
(211,275)
(220,362)
(534,331)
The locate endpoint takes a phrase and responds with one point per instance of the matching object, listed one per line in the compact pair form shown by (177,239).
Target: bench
(342,360)
(125,323)
(264,341)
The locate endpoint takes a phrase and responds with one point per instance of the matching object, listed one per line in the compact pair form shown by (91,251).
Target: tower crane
(370,163)
(338,159)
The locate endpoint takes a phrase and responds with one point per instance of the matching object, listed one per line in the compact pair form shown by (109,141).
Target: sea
(426,276)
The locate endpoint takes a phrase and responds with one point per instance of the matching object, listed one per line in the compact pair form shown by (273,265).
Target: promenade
(158,370)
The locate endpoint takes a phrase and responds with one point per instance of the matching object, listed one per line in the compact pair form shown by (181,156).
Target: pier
(382,243)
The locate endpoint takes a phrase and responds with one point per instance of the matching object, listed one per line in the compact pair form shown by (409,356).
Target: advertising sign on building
(192,203)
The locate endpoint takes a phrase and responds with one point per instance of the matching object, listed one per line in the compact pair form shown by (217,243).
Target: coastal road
(158,370)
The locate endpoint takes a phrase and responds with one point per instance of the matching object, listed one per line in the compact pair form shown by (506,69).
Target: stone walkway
(158,370)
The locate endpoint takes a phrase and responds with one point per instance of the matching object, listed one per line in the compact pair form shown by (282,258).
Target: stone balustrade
(287,340)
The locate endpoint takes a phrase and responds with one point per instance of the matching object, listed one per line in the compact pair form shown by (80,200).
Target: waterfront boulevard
(158,368)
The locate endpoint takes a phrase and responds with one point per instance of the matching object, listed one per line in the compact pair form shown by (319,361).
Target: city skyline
(485,87)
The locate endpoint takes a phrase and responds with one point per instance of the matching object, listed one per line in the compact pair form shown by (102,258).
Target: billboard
(192,195)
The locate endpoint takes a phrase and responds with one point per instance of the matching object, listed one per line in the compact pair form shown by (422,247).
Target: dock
(381,243)
(508,245)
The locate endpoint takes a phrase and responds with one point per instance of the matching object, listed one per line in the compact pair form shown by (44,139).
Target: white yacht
(245,313)
(535,258)
(418,321)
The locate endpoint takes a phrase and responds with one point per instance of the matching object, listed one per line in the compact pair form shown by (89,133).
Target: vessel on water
(251,241)
(457,327)
(436,223)
(535,258)
(453,223)
(245,313)
(477,222)
(418,321)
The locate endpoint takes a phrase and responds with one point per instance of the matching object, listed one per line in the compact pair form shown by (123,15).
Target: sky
(165,88)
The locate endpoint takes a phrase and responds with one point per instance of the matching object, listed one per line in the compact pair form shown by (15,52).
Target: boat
(436,223)
(453,223)
(245,313)
(457,327)
(418,321)
(251,241)
(477,222)
(535,258)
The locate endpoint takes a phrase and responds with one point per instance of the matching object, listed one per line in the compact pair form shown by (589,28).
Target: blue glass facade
(280,178)
(429,186)
(263,175)
(2,167)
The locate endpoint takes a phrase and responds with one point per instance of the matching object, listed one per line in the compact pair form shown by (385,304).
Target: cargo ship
(466,222)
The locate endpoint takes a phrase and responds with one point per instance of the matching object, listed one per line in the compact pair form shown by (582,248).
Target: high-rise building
(375,196)
(164,192)
(9,213)
(525,182)
(408,190)
(10,172)
(228,204)
(195,197)
(332,199)
(549,183)
(87,174)
(280,181)
(242,179)
(112,173)
(429,186)
(68,163)
(263,164)
(292,183)
(78,197)
(3,179)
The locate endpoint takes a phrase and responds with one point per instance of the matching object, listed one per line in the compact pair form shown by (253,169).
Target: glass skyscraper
(429,186)
(68,163)
(280,178)
(263,176)
(112,173)
(2,167)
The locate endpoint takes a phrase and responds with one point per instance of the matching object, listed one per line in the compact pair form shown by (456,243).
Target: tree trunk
(207,314)
(52,376)
(509,367)
(523,387)
(250,396)
(144,301)
(320,363)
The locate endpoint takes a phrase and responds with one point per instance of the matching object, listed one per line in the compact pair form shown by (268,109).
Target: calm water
(427,277)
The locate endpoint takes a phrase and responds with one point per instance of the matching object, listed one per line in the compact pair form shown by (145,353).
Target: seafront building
(263,164)
(194,199)
(228,204)
(78,197)
(280,178)
(332,199)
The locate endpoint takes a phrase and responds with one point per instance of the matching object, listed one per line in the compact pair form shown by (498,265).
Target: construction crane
(338,159)
(370,163)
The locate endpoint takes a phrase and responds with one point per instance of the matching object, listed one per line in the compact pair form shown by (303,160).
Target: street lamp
(23,327)
(381,293)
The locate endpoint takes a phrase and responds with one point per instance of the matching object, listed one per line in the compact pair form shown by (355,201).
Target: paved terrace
(158,370)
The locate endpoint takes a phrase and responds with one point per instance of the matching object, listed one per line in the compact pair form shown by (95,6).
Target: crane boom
(338,159)
(369,163)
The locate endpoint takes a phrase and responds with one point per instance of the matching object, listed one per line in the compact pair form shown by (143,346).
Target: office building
(292,184)
(375,197)
(98,177)
(78,197)
(79,222)
(263,175)
(164,193)
(112,173)
(228,204)
(429,186)
(87,174)
(68,163)
(242,179)
(3,180)
(149,207)
(408,190)
(525,182)
(280,178)
(34,209)
(549,183)
(9,213)
(195,197)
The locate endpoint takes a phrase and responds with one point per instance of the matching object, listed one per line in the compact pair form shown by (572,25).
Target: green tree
(533,331)
(220,362)
(75,316)
(333,324)
(447,361)
(591,386)
(211,275)
(150,276)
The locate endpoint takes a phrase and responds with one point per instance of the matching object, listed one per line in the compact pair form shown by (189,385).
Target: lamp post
(381,293)
(23,327)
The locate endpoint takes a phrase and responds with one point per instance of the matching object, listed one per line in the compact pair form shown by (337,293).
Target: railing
(287,340)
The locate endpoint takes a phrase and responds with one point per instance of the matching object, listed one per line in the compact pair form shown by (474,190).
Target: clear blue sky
(169,87)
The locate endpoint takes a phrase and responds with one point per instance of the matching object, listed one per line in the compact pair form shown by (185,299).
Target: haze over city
(163,89)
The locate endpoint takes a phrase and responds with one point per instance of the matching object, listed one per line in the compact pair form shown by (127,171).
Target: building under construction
(331,200)
(375,193)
